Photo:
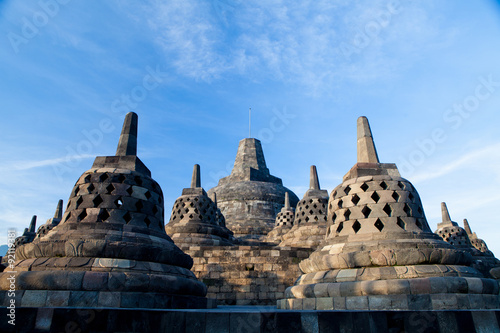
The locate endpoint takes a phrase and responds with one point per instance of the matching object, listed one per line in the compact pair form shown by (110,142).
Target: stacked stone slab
(28,235)
(379,252)
(309,226)
(250,198)
(283,224)
(194,218)
(110,249)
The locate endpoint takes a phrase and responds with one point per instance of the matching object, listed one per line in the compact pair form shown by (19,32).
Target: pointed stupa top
(126,153)
(313,179)
(368,163)
(250,164)
(446,219)
(367,153)
(127,145)
(213,196)
(32,224)
(196,178)
(287,207)
(59,210)
(467,228)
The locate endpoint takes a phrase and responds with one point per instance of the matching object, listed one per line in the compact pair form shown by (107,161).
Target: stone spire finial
(32,224)
(287,200)
(59,210)
(196,179)
(467,228)
(127,145)
(213,196)
(445,213)
(366,148)
(313,179)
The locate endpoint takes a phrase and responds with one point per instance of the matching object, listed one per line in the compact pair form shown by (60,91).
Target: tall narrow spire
(313,179)
(467,228)
(213,196)
(445,213)
(196,179)
(128,138)
(59,210)
(32,224)
(367,152)
(287,200)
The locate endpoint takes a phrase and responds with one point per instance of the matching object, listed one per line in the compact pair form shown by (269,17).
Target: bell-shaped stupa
(451,232)
(477,242)
(250,197)
(52,222)
(283,224)
(110,248)
(309,226)
(194,218)
(28,235)
(379,252)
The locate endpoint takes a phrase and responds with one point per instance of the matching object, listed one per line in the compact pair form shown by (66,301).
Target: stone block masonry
(246,275)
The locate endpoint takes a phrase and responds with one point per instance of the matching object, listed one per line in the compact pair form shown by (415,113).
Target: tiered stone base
(275,236)
(306,234)
(105,299)
(246,275)
(420,287)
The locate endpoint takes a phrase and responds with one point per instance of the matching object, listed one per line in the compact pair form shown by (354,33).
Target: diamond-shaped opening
(118,203)
(364,187)
(419,210)
(139,205)
(330,206)
(91,188)
(401,223)
(316,218)
(355,199)
(310,201)
(340,203)
(182,216)
(307,219)
(407,210)
(147,221)
(384,185)
(87,179)
(411,196)
(186,210)
(340,227)
(67,216)
(334,194)
(366,211)
(77,189)
(110,188)
(387,209)
(311,212)
(103,177)
(196,199)
(79,202)
(396,196)
(347,214)
(82,215)
(356,226)
(190,216)
(347,189)
(334,216)
(315,206)
(379,225)
(97,201)
(121,178)
(375,197)
(155,209)
(130,190)
(191,204)
(147,195)
(307,207)
(303,213)
(419,224)
(401,185)
(138,180)
(127,217)
(159,199)
(103,215)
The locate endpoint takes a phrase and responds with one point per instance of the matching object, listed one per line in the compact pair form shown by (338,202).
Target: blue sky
(425,73)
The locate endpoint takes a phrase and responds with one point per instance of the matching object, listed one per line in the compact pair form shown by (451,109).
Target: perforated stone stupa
(194,219)
(457,236)
(379,252)
(110,249)
(283,224)
(309,226)
(52,222)
(28,235)
(250,197)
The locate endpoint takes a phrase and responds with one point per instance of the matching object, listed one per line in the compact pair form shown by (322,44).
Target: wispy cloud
(27,165)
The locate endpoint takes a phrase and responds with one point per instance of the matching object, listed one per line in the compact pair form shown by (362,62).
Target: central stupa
(250,197)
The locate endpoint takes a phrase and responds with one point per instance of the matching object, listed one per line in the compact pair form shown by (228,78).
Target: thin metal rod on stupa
(313,179)
(250,122)
(32,224)
(445,213)
(59,210)
(196,179)
(367,153)
(127,145)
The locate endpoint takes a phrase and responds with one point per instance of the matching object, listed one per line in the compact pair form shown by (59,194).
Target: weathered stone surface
(111,239)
